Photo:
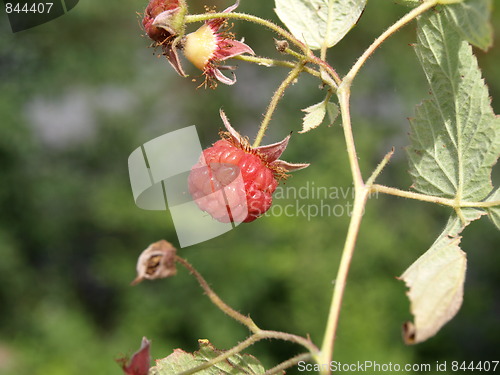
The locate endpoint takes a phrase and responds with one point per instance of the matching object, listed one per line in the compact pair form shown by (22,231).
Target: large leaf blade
(318,22)
(454,134)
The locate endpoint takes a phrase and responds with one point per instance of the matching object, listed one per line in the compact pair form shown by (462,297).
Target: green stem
(343,94)
(294,73)
(362,191)
(279,369)
(250,18)
(380,167)
(245,320)
(340,281)
(414,13)
(430,198)
(258,334)
(306,343)
(272,62)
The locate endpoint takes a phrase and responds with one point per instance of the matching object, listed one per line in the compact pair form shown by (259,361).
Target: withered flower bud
(281,45)
(156,262)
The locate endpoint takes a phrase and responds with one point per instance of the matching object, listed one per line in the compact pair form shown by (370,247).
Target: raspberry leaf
(318,22)
(180,361)
(315,115)
(454,140)
(455,143)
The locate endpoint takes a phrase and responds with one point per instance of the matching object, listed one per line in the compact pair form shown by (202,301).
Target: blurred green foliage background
(80,93)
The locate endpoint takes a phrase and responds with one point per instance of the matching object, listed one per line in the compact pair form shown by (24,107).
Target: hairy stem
(362,191)
(287,64)
(294,73)
(343,94)
(414,13)
(430,198)
(258,334)
(306,343)
(288,363)
(340,282)
(380,167)
(245,320)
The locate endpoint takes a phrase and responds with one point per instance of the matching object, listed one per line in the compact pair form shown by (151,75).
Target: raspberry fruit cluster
(234,182)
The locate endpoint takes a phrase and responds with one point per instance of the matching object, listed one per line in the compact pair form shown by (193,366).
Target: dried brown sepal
(156,262)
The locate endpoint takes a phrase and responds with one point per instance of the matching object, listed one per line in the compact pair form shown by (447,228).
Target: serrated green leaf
(435,282)
(494,212)
(472,19)
(180,361)
(455,133)
(333,111)
(315,114)
(319,21)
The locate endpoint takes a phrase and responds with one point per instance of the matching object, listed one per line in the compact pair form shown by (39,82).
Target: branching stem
(414,13)
(258,334)
(245,320)
(288,363)
(362,190)
(430,198)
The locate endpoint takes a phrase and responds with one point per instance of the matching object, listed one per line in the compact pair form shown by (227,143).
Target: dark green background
(80,93)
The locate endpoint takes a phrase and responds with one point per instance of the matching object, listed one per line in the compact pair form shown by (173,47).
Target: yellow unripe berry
(200,46)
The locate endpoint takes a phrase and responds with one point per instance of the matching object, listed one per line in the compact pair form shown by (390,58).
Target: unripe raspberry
(153,10)
(209,46)
(234,182)
(164,24)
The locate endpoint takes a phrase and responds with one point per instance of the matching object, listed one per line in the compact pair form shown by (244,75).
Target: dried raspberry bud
(163,22)
(211,181)
(208,46)
(156,262)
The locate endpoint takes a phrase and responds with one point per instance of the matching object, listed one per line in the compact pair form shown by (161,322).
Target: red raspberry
(234,182)
(213,184)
